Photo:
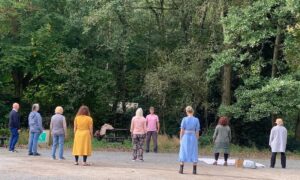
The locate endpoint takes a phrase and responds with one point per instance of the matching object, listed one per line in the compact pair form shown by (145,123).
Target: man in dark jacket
(14,126)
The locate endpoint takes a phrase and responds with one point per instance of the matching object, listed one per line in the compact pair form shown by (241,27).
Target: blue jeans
(33,142)
(58,139)
(13,138)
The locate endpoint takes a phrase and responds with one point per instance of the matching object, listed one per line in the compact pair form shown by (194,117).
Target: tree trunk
(226,93)
(297,129)
(18,83)
(227,69)
(275,59)
(276,52)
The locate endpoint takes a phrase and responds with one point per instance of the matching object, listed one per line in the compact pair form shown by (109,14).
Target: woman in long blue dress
(189,135)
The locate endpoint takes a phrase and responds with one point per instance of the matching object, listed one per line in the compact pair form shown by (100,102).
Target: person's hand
(19,130)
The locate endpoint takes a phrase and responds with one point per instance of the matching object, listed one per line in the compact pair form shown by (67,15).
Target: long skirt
(82,143)
(188,148)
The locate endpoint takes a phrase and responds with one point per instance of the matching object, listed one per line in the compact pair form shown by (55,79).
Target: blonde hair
(189,110)
(279,121)
(139,112)
(59,110)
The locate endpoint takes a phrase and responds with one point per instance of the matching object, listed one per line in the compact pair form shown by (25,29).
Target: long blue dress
(189,143)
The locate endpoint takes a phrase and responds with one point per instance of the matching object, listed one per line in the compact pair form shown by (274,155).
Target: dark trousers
(152,134)
(13,138)
(225,156)
(273,159)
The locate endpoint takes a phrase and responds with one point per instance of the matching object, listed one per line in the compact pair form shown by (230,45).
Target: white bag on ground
(249,164)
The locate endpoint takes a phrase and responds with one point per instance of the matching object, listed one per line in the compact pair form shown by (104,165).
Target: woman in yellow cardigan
(83,133)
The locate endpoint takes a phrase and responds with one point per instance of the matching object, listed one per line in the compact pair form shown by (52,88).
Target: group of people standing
(141,128)
(83,132)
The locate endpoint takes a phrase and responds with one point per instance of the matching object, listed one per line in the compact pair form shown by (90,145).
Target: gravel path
(118,165)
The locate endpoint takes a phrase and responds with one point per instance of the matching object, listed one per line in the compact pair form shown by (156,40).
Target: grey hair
(35,107)
(139,112)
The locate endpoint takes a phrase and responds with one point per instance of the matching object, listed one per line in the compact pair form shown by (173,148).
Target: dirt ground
(118,165)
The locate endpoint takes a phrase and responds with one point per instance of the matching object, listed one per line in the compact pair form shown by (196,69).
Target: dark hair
(151,108)
(223,121)
(83,110)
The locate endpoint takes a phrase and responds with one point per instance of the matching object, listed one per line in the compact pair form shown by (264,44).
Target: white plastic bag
(249,164)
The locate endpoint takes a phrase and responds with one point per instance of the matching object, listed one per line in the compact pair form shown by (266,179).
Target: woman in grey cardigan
(58,129)
(36,128)
(222,138)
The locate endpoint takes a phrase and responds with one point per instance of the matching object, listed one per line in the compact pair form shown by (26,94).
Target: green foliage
(166,54)
(4,133)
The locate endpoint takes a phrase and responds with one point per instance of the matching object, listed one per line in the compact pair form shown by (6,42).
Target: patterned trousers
(138,145)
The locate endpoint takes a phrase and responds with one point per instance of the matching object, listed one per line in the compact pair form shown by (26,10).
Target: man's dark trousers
(152,134)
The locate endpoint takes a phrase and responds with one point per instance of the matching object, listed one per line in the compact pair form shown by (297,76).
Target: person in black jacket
(14,126)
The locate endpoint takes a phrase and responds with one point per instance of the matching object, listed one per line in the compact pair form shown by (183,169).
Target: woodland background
(223,57)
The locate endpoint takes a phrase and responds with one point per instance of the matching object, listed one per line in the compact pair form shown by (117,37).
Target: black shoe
(36,154)
(194,169)
(181,169)
(30,154)
(147,151)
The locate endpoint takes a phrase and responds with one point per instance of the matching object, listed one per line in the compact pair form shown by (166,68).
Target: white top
(278,138)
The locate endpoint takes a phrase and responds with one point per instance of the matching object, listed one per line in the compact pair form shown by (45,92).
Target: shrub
(4,132)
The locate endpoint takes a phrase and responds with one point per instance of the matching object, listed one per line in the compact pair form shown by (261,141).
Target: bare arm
(197,134)
(181,133)
(51,126)
(145,127)
(75,126)
(131,126)
(65,127)
(158,126)
(146,123)
(91,128)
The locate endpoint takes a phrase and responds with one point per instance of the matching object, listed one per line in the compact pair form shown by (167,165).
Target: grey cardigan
(222,134)
(58,125)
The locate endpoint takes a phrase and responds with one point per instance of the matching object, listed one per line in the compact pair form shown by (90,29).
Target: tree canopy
(234,58)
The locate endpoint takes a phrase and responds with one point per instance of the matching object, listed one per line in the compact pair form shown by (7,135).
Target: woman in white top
(278,138)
